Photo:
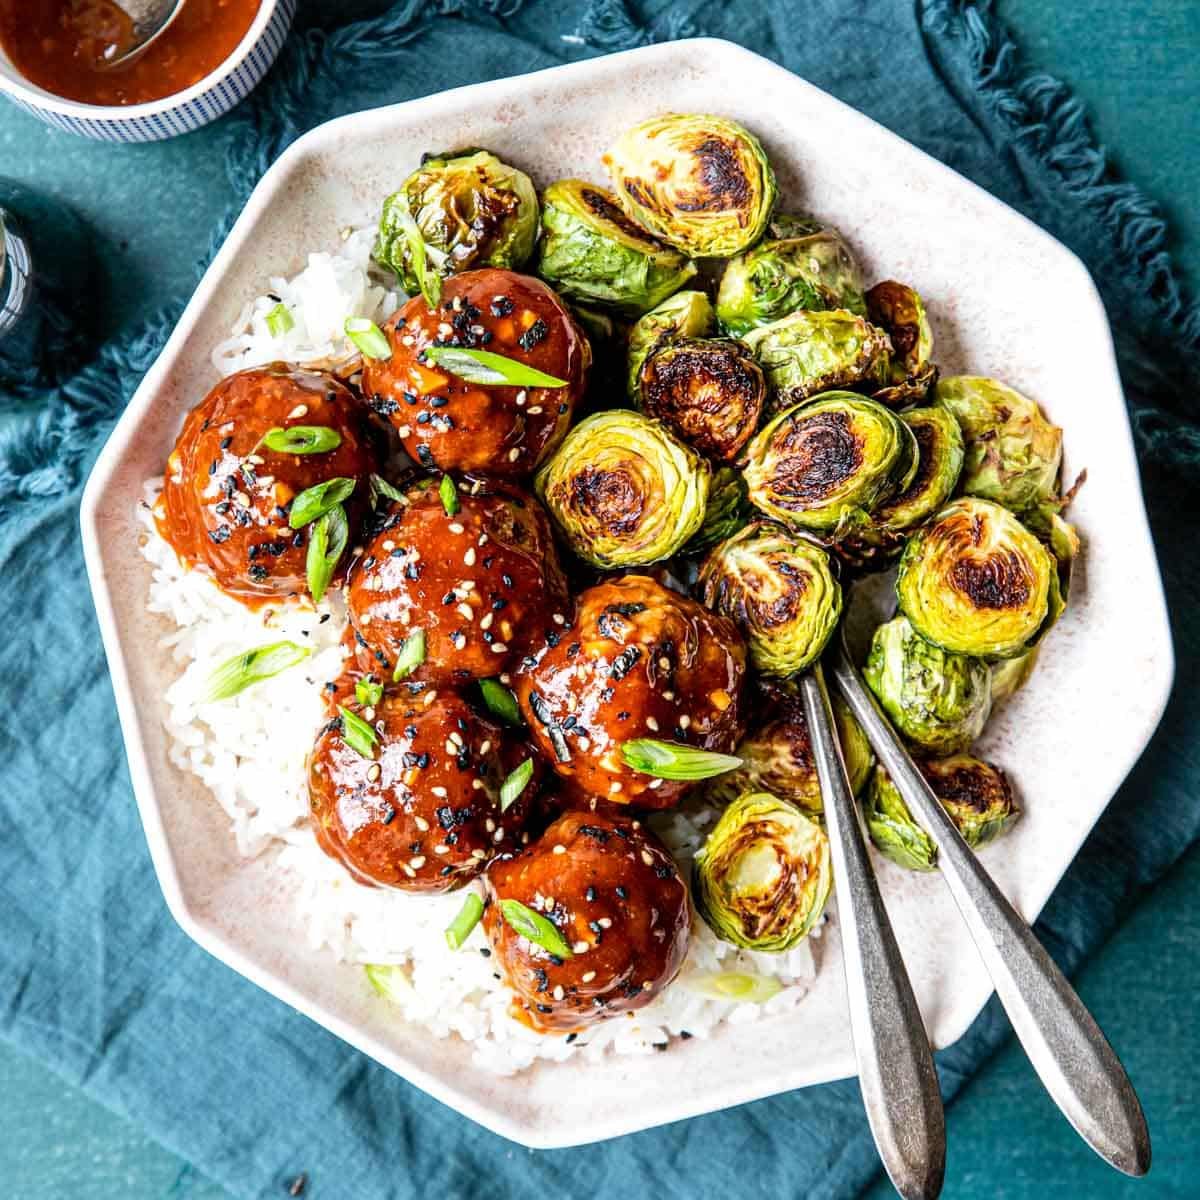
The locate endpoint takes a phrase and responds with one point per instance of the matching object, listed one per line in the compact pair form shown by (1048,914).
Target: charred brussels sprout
(806,353)
(701,183)
(827,465)
(939,701)
(472,210)
(623,490)
(763,875)
(900,312)
(685,314)
(710,391)
(1013,454)
(976,581)
(591,251)
(779,588)
(727,511)
(799,264)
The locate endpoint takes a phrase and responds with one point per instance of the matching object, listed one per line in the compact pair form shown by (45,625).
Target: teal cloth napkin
(94,976)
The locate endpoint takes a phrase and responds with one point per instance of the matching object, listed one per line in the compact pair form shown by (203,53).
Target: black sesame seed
(258,572)
(438,401)
(485,952)
(683,1033)
(225,443)
(501,306)
(622,893)
(422,418)
(220,534)
(570,1038)
(506,580)
(389,815)
(590,894)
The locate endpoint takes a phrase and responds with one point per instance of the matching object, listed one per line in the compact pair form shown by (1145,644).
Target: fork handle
(895,1066)
(1069,1052)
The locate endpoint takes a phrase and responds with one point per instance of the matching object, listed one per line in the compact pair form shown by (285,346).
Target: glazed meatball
(448,423)
(483,584)
(638,660)
(225,501)
(614,894)
(422,814)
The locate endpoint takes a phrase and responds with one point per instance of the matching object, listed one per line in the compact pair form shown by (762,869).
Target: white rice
(250,752)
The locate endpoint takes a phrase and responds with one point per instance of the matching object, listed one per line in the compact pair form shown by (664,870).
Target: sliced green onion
(739,986)
(428,280)
(244,670)
(379,486)
(326,544)
(468,917)
(535,928)
(317,500)
(515,784)
(368,337)
(672,760)
(449,495)
(301,439)
(391,982)
(500,701)
(368,692)
(482,366)
(359,736)
(411,656)
(280,320)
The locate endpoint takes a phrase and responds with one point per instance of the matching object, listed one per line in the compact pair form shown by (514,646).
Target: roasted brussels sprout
(710,391)
(806,353)
(900,312)
(623,490)
(1013,454)
(728,509)
(799,264)
(938,700)
(827,465)
(1010,675)
(685,314)
(763,875)
(976,581)
(472,210)
(976,796)
(591,251)
(701,183)
(779,588)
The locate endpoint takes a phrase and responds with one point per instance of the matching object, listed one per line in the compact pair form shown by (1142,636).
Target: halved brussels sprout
(777,757)
(937,700)
(623,490)
(1013,454)
(976,581)
(1011,675)
(900,312)
(806,353)
(799,264)
(591,251)
(727,511)
(710,391)
(472,209)
(685,314)
(893,829)
(779,588)
(763,875)
(701,183)
(827,465)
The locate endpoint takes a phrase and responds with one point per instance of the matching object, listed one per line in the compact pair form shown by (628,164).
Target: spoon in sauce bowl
(117,34)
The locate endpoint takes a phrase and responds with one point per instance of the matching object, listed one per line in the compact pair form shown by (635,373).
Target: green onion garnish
(672,760)
(301,439)
(460,928)
(368,337)
(515,784)
(449,495)
(740,986)
(482,366)
(535,928)
(500,701)
(411,656)
(280,320)
(380,487)
(428,280)
(317,500)
(326,543)
(250,667)
(391,982)
(368,692)
(357,733)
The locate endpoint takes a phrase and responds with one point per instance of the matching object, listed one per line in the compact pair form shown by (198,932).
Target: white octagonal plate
(1005,300)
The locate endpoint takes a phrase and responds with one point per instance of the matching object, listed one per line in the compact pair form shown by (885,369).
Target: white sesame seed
(455,527)
(664,663)
(587,977)
(242,499)
(655,783)
(647,984)
(477,784)
(417,862)
(421,824)
(389,545)
(486,623)
(440,792)
(469,557)
(479,854)
(614,787)
(583,948)
(499,648)
(485,745)
(460,641)
(490,825)
(652,724)
(558,992)
(605,922)
(441,848)
(407,339)
(456,737)
(373,772)
(668,695)
(255,459)
(405,431)
(559,619)
(684,721)
(520,397)
(301,410)
(498,836)
(466,611)
(483,537)
(534,409)
(506,679)
(514,454)
(409,871)
(445,329)
(456,304)
(560,849)
(647,858)
(451,748)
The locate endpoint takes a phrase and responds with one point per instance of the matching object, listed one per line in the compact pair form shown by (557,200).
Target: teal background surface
(1138,73)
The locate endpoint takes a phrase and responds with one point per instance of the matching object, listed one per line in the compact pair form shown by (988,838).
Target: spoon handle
(895,1066)
(1071,1055)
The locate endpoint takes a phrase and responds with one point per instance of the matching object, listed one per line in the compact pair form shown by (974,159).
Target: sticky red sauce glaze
(637,661)
(614,893)
(445,422)
(422,815)
(225,499)
(483,584)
